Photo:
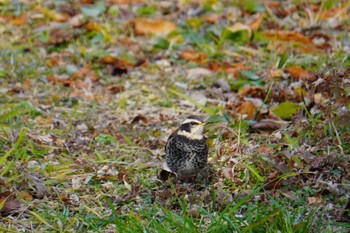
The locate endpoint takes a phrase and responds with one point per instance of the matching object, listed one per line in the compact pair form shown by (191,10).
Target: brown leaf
(93,26)
(126,2)
(117,62)
(195,56)
(226,67)
(337,12)
(247,107)
(211,18)
(114,89)
(264,149)
(64,198)
(255,23)
(159,27)
(8,204)
(299,73)
(14,19)
(138,118)
(25,195)
(273,175)
(252,91)
(61,35)
(272,4)
(284,35)
(315,200)
(83,73)
(268,125)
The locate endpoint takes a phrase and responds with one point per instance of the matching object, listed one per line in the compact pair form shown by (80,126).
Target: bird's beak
(203,124)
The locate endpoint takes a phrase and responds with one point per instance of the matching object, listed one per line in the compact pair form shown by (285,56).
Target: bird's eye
(193,123)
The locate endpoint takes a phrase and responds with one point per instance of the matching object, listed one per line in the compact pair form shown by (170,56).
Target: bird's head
(192,128)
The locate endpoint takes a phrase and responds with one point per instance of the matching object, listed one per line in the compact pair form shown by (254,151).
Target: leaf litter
(112,80)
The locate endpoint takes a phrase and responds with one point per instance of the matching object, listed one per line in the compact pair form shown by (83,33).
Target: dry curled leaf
(226,67)
(125,2)
(284,35)
(248,108)
(159,27)
(255,23)
(8,204)
(60,35)
(252,91)
(114,89)
(195,56)
(299,73)
(268,125)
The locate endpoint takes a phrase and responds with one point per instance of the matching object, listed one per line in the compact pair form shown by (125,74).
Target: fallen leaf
(286,109)
(299,73)
(159,27)
(226,67)
(116,61)
(114,89)
(252,91)
(126,2)
(272,4)
(247,107)
(93,26)
(77,20)
(275,73)
(211,18)
(192,55)
(60,35)
(24,195)
(82,74)
(273,175)
(284,35)
(338,13)
(8,204)
(64,198)
(268,125)
(315,200)
(256,22)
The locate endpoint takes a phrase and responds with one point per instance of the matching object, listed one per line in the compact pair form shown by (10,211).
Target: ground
(90,91)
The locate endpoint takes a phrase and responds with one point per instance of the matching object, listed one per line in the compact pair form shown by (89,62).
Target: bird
(187,149)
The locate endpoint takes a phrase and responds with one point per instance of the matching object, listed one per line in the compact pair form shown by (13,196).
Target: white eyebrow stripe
(190,135)
(191,120)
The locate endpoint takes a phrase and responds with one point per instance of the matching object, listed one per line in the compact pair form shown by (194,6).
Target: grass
(86,159)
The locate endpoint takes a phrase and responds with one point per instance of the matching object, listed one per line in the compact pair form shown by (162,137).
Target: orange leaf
(126,2)
(93,26)
(299,73)
(255,23)
(284,35)
(191,55)
(226,67)
(338,13)
(272,4)
(212,18)
(247,107)
(116,61)
(252,91)
(116,88)
(158,27)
